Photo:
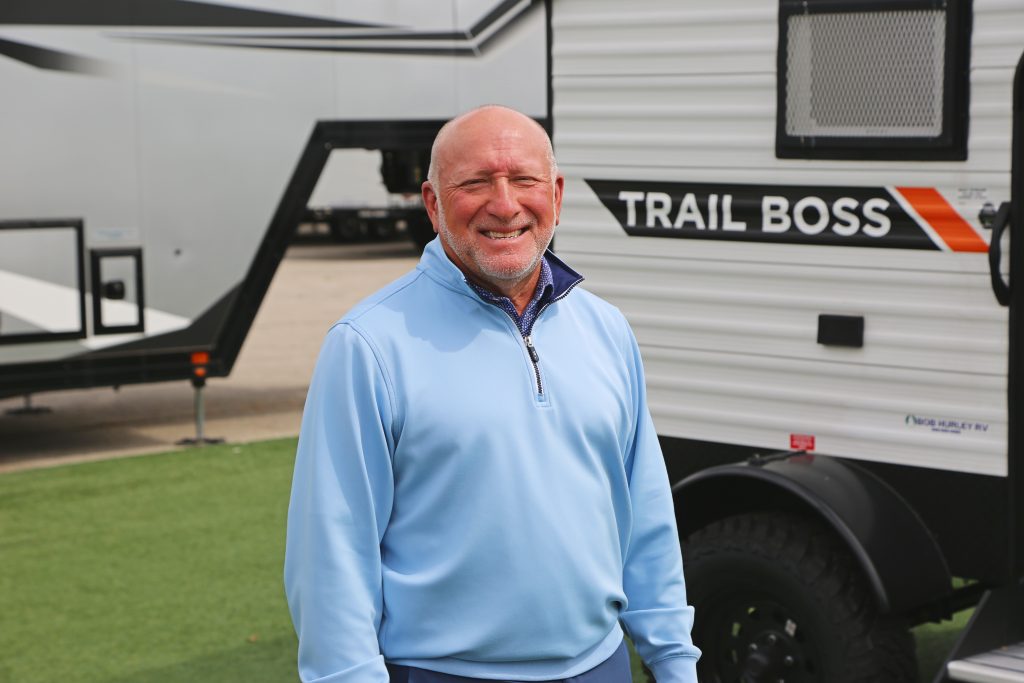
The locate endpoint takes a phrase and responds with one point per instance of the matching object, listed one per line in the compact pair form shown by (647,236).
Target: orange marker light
(199,361)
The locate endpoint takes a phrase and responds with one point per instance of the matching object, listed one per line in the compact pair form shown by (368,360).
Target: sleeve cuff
(675,670)
(372,671)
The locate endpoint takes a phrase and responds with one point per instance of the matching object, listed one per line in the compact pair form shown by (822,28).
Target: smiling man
(479,493)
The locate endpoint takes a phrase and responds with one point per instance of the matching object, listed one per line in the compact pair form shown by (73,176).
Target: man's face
(496,204)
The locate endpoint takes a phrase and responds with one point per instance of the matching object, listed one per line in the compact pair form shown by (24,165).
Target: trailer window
(859,80)
(42,285)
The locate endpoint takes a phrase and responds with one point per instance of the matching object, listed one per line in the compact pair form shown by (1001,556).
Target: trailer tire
(778,597)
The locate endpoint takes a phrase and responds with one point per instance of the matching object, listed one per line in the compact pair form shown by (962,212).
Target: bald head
(481,120)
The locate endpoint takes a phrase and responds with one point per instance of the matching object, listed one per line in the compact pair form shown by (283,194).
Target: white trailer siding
(728,328)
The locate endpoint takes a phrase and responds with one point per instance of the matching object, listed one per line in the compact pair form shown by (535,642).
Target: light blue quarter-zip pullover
(474,502)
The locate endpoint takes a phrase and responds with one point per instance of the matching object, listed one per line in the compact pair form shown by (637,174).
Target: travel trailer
(157,159)
(807,212)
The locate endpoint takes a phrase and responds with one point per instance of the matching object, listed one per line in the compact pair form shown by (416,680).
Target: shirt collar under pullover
(563,280)
(541,296)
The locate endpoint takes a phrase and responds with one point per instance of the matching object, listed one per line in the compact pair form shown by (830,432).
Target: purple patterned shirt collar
(541,295)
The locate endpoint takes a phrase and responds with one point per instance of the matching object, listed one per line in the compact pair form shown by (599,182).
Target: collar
(541,291)
(438,266)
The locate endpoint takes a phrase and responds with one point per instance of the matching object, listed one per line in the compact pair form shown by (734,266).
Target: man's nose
(503,202)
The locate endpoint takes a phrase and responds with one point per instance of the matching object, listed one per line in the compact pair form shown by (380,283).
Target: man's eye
(524,180)
(472,182)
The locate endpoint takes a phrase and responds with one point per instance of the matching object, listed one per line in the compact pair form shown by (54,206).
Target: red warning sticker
(801,442)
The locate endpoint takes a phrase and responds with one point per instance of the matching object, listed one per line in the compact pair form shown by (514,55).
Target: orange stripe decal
(943,218)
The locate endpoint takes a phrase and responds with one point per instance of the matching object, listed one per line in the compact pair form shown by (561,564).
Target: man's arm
(657,617)
(341,500)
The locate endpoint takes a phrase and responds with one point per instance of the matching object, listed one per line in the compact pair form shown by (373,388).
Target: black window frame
(95,258)
(76,224)
(949,145)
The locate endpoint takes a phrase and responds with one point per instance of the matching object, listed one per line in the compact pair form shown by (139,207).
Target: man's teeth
(498,235)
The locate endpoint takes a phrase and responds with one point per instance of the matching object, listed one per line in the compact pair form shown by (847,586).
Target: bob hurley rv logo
(889,217)
(948,426)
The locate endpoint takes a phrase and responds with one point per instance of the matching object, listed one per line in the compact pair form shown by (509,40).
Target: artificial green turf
(166,568)
(159,568)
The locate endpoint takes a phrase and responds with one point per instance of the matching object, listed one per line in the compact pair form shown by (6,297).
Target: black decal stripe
(495,37)
(746,208)
(325,35)
(156,13)
(422,51)
(494,15)
(478,29)
(439,50)
(454,43)
(45,58)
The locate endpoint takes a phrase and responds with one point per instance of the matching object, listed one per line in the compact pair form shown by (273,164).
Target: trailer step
(1002,665)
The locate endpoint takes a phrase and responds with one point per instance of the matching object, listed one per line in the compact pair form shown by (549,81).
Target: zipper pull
(534,356)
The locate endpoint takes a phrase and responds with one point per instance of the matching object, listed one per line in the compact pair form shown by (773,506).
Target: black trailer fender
(900,559)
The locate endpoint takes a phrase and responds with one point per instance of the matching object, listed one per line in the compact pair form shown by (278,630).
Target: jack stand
(200,411)
(29,409)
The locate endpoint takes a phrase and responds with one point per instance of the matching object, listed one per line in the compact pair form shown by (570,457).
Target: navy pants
(615,669)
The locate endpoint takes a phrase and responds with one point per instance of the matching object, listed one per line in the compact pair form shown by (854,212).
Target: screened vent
(866,74)
(871,84)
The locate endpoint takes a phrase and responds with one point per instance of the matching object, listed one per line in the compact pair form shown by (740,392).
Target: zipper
(535,359)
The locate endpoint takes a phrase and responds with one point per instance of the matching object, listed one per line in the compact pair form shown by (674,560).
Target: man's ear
(429,201)
(559,186)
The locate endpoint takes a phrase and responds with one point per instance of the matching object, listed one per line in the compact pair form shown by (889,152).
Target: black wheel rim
(754,639)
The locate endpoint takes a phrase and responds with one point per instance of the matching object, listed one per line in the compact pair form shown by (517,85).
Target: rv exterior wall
(662,101)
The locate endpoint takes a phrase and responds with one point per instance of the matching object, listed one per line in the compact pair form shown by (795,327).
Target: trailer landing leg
(200,438)
(29,409)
